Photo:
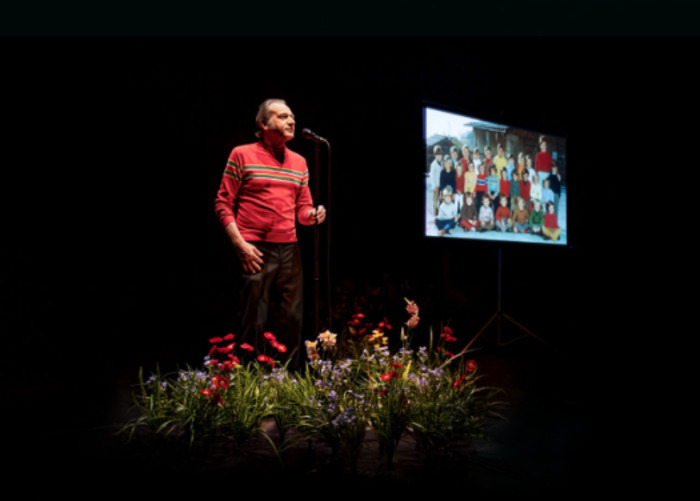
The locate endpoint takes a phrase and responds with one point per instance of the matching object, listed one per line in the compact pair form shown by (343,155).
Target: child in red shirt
(481,186)
(504,188)
(525,187)
(551,230)
(504,222)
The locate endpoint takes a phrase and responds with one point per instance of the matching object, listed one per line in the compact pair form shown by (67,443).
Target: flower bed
(352,383)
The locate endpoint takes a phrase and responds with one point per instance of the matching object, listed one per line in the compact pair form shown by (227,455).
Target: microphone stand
(317,239)
(316,243)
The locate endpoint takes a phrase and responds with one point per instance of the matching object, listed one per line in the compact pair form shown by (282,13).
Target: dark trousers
(272,300)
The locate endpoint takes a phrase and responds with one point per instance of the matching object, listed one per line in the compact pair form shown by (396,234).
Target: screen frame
(534,124)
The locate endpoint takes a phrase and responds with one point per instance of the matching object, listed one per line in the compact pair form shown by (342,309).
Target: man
(263,191)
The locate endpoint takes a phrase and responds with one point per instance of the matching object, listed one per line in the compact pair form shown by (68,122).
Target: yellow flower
(378,338)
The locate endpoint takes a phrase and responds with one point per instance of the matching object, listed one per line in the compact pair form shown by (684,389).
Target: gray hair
(263,115)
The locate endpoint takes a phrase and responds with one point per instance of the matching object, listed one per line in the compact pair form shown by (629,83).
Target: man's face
(280,125)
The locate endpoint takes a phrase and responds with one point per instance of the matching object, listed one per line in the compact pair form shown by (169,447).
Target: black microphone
(313,136)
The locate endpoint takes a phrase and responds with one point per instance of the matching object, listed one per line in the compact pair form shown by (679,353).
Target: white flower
(327,340)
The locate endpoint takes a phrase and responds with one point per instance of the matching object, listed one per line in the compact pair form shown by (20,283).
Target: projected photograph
(491,181)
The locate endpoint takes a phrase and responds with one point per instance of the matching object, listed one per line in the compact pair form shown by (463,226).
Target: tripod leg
(527,331)
(495,316)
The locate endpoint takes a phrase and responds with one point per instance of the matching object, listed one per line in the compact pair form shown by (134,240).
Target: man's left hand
(318,215)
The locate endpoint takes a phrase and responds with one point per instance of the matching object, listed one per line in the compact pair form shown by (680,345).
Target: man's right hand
(250,256)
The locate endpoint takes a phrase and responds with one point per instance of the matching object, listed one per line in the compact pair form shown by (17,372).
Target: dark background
(112,258)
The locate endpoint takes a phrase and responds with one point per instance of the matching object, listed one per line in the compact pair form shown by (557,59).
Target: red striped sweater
(262,195)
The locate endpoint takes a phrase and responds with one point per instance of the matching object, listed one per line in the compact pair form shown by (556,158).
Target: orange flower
(311,351)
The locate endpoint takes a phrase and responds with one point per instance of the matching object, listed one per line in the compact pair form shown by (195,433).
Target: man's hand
(318,215)
(250,256)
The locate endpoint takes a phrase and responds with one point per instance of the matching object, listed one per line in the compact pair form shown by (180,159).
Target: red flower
(447,334)
(279,347)
(384,324)
(413,321)
(398,366)
(471,365)
(205,392)
(216,399)
(412,308)
(229,337)
(247,347)
(220,382)
(215,340)
(266,359)
(386,377)
(458,382)
(226,349)
(270,336)
(384,392)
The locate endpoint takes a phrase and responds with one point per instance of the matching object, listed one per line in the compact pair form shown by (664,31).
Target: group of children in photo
(496,193)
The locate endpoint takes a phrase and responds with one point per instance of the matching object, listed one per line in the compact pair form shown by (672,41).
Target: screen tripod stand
(500,315)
